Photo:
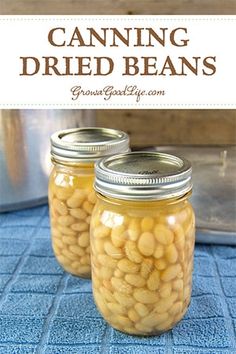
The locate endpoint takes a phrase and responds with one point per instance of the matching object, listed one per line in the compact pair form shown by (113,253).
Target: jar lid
(143,176)
(87,144)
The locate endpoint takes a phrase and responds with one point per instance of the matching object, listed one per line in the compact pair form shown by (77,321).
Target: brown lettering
(183,42)
(168,65)
(192,68)
(99,65)
(51,65)
(51,37)
(129,65)
(209,66)
(82,65)
(25,62)
(123,39)
(148,65)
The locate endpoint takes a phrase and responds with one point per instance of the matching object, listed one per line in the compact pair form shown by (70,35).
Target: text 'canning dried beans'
(142,241)
(71,194)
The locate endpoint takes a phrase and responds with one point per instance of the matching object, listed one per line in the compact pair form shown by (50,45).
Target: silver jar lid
(143,176)
(87,144)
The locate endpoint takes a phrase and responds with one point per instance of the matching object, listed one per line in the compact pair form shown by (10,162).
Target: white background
(28,36)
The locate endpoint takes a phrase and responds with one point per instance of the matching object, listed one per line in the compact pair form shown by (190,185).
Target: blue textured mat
(46,311)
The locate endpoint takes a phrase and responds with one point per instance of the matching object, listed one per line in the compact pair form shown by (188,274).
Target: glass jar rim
(152,203)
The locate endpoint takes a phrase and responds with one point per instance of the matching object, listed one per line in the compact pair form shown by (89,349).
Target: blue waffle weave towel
(46,311)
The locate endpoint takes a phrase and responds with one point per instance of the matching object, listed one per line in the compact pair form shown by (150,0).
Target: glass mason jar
(142,241)
(71,194)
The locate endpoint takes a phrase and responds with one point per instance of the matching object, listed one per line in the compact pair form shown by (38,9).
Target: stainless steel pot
(25,152)
(214,190)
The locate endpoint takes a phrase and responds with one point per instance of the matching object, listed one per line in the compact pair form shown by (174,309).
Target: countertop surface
(44,310)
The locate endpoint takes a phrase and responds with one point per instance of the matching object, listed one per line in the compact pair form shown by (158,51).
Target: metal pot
(25,152)
(214,190)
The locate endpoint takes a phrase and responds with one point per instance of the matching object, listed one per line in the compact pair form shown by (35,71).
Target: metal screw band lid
(87,144)
(143,176)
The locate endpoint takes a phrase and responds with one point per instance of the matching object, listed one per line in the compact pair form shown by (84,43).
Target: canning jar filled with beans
(71,194)
(142,241)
